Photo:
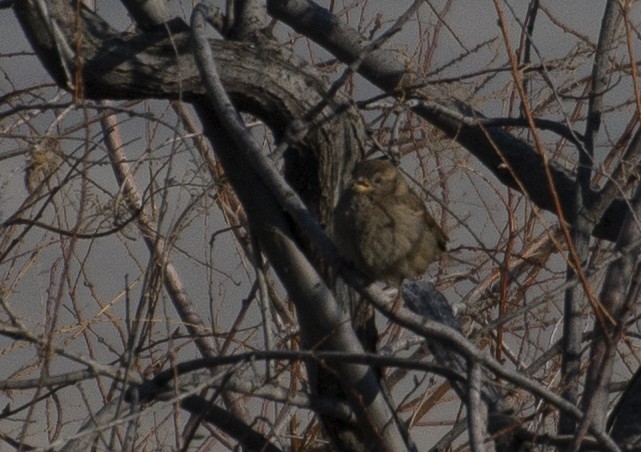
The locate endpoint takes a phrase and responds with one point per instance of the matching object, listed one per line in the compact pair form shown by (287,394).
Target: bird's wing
(406,217)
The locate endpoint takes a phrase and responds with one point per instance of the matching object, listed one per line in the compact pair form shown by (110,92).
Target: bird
(383,228)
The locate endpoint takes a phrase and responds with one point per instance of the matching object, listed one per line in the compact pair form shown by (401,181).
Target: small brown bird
(383,227)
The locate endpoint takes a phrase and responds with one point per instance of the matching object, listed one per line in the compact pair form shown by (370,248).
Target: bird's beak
(361,186)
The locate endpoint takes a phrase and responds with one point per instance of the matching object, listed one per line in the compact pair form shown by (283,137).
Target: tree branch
(299,277)
(514,162)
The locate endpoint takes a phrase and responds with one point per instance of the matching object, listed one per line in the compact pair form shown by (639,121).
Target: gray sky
(112,260)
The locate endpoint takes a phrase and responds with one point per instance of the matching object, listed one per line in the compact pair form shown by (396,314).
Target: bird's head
(377,176)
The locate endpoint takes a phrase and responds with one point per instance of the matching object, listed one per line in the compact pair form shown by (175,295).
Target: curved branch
(299,277)
(514,162)
(159,64)
(228,423)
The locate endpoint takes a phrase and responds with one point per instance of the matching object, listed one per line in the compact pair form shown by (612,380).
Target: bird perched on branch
(383,227)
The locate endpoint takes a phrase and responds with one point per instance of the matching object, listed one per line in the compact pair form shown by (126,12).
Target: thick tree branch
(619,293)
(124,66)
(245,434)
(250,16)
(453,339)
(595,394)
(624,420)
(128,66)
(513,161)
(299,277)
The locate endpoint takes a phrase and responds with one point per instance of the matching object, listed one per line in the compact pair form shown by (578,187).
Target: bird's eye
(378,179)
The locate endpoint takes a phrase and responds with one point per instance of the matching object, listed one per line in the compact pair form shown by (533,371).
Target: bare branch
(307,286)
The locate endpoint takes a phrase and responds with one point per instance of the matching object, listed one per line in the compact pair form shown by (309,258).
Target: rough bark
(274,86)
(266,82)
(128,66)
(513,161)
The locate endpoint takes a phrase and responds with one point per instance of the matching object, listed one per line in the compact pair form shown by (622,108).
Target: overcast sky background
(109,260)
